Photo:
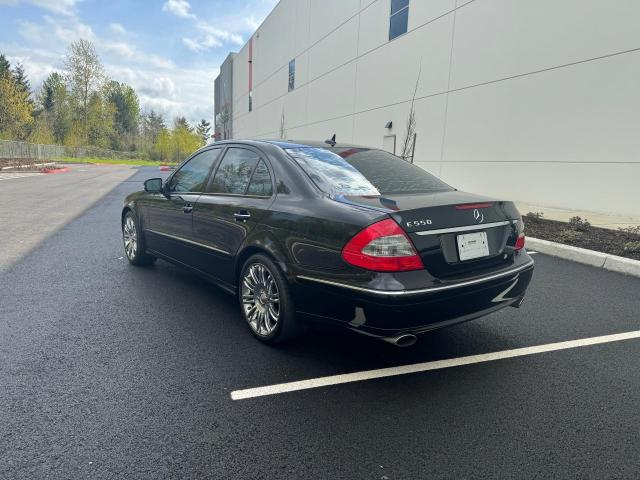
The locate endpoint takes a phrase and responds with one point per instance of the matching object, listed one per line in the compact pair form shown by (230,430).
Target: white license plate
(473,245)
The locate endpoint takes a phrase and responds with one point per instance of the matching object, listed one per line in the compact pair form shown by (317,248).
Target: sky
(168,50)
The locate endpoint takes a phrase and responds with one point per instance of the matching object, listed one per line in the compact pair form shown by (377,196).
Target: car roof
(291,143)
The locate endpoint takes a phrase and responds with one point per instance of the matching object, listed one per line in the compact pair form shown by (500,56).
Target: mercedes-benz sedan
(355,236)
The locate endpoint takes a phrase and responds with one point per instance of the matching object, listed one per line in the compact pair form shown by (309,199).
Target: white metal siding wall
(531,100)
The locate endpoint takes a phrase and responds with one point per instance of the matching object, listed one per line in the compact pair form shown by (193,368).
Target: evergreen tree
(57,109)
(21,78)
(152,124)
(181,122)
(5,66)
(202,130)
(125,101)
(47,94)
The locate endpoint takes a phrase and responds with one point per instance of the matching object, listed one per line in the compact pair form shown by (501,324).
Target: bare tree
(85,74)
(283,132)
(222,121)
(409,140)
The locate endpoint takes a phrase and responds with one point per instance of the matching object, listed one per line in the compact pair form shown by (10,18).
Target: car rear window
(364,171)
(332,173)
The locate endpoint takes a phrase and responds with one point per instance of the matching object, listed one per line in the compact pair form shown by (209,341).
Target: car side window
(260,183)
(234,171)
(193,175)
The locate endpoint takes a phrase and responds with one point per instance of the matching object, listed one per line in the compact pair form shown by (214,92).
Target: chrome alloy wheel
(130,238)
(260,299)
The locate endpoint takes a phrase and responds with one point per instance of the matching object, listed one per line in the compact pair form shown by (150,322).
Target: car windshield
(364,171)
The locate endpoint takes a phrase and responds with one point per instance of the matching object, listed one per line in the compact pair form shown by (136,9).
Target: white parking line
(11,175)
(427,366)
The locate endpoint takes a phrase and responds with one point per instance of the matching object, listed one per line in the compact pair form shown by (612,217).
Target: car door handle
(188,208)
(242,215)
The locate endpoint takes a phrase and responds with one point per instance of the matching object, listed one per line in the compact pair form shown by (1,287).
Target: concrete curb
(55,170)
(612,263)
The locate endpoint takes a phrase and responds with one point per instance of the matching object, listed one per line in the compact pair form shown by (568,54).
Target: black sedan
(350,235)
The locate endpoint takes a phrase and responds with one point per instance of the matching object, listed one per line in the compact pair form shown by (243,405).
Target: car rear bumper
(384,313)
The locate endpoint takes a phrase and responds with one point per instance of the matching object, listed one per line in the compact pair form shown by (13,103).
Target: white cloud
(130,52)
(164,85)
(252,22)
(61,30)
(117,28)
(223,35)
(187,92)
(159,62)
(67,30)
(30,31)
(119,48)
(237,39)
(181,8)
(209,41)
(213,37)
(61,7)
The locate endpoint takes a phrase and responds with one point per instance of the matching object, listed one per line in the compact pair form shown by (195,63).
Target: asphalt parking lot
(112,371)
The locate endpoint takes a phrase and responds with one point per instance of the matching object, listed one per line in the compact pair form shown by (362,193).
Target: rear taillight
(382,247)
(520,241)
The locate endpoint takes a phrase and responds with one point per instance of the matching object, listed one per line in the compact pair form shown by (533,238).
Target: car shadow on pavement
(321,348)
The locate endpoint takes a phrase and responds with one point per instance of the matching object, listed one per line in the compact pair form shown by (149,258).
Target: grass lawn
(112,161)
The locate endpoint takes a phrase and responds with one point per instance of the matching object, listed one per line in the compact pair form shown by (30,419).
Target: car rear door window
(193,175)
(234,172)
(260,184)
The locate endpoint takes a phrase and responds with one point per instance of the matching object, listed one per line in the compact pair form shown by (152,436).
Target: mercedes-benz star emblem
(478,215)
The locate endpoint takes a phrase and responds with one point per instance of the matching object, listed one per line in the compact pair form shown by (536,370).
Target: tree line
(81,106)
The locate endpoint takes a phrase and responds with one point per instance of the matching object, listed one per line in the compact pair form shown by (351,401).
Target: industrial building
(537,101)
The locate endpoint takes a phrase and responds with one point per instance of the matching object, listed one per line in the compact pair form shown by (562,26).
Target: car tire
(258,277)
(133,240)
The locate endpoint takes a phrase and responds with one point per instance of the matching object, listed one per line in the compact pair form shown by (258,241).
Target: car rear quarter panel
(312,232)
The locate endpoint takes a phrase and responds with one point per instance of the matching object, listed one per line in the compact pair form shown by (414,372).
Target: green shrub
(569,236)
(630,230)
(579,224)
(535,215)
(632,247)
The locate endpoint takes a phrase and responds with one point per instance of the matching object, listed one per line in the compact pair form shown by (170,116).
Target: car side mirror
(153,185)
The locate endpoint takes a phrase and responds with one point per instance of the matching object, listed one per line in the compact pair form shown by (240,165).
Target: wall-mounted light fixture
(388,125)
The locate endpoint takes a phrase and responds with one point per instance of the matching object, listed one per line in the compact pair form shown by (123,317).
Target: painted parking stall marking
(427,366)
(12,175)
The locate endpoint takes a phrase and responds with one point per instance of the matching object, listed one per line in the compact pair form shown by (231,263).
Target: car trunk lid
(455,233)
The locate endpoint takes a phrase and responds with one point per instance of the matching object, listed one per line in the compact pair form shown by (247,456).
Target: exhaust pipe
(402,340)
